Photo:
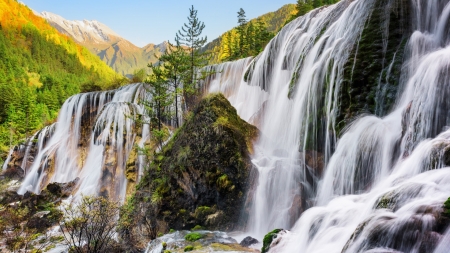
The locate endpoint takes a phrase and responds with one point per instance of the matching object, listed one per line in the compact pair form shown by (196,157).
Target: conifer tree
(157,107)
(175,63)
(190,35)
(242,21)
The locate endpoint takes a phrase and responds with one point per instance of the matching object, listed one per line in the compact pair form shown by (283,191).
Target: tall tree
(190,35)
(157,108)
(242,21)
(175,63)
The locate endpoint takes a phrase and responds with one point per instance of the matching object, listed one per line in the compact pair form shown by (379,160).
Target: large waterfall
(384,179)
(340,179)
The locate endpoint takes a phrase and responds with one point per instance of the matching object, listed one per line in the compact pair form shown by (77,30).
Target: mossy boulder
(268,239)
(201,176)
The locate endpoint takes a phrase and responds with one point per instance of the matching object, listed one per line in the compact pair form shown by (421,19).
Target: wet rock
(272,239)
(247,241)
(62,189)
(296,208)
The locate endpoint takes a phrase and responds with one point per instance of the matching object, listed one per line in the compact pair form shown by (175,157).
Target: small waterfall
(92,139)
(8,158)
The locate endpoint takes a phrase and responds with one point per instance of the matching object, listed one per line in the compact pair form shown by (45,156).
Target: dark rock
(62,189)
(13,172)
(41,220)
(248,241)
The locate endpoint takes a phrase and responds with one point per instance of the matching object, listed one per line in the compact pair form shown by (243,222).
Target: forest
(39,70)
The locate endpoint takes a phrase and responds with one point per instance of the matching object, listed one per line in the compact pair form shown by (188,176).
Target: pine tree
(242,21)
(190,35)
(175,63)
(157,108)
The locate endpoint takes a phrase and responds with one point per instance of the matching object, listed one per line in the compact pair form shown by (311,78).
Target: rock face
(201,177)
(372,75)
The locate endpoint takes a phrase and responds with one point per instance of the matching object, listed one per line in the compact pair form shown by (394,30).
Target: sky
(150,21)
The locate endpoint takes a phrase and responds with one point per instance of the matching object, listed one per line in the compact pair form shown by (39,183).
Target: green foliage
(447,208)
(37,75)
(197,227)
(188,248)
(190,36)
(268,238)
(248,38)
(192,237)
(139,76)
(175,61)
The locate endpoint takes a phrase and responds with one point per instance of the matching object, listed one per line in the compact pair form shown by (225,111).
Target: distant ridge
(120,54)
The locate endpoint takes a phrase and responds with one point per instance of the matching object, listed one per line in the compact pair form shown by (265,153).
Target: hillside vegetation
(265,26)
(39,70)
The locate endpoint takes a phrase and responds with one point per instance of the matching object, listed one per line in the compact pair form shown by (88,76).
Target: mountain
(120,54)
(39,69)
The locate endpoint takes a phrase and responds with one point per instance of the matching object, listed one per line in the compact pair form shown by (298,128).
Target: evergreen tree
(157,108)
(242,21)
(303,7)
(175,63)
(190,35)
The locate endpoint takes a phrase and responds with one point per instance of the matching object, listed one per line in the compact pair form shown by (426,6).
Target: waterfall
(380,185)
(92,139)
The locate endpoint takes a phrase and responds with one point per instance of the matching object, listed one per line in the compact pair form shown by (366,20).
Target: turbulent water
(384,181)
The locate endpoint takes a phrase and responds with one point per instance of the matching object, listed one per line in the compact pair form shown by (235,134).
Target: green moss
(268,238)
(192,237)
(447,208)
(197,227)
(206,162)
(188,248)
(366,85)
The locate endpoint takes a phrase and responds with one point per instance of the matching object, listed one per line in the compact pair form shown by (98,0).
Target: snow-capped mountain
(120,54)
(83,31)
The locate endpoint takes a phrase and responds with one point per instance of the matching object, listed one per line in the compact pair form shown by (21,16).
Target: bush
(188,248)
(89,226)
(192,237)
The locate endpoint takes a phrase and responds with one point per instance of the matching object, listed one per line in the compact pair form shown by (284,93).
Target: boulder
(247,241)
(203,171)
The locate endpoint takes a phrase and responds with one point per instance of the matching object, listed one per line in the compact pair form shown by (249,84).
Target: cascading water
(92,139)
(384,183)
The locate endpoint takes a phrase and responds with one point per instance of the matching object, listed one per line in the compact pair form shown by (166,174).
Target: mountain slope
(274,21)
(120,54)
(39,69)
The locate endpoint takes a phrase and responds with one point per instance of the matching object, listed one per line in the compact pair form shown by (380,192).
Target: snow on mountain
(120,54)
(83,31)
